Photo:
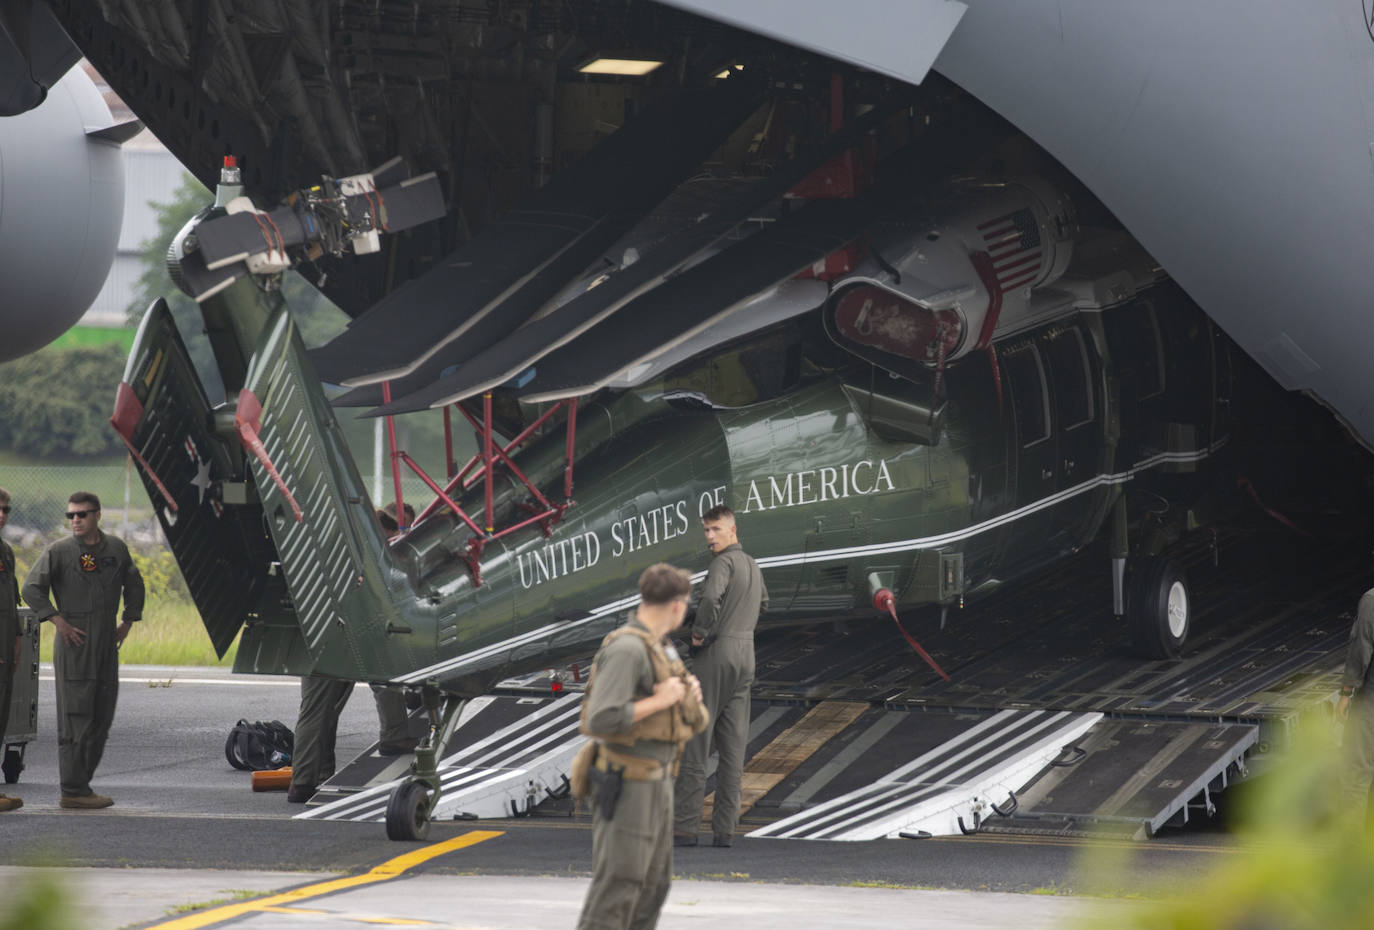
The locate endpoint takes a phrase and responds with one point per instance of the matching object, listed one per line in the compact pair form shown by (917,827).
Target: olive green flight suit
(731,599)
(87,583)
(632,853)
(1359,727)
(10,633)
(317,725)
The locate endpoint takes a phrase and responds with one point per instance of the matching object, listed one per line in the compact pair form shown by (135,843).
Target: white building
(151,175)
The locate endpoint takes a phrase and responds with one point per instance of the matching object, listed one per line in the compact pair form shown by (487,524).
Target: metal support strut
(490,455)
(413,802)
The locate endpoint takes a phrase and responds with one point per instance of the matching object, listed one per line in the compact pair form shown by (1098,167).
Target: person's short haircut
(84,497)
(4,496)
(718,512)
(662,584)
(390,511)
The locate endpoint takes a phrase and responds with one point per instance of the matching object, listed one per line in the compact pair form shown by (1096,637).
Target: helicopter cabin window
(1073,395)
(1025,373)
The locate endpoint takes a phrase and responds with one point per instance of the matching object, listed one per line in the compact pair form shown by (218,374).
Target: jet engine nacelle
(61,207)
(933,292)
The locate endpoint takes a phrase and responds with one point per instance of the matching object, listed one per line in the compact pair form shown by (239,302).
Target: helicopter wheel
(1158,608)
(407,813)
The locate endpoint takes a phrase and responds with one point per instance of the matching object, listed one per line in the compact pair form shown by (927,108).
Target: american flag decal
(1013,243)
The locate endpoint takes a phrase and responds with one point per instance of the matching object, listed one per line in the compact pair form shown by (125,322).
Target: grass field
(169,634)
(97,336)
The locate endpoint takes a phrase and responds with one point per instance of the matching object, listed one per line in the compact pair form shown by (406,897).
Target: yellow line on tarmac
(384,872)
(355,918)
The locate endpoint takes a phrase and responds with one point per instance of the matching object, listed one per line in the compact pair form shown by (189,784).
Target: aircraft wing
(900,40)
(698,298)
(523,259)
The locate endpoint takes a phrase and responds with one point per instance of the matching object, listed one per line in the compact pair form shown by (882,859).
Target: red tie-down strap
(884,600)
(246,421)
(128,411)
(1245,485)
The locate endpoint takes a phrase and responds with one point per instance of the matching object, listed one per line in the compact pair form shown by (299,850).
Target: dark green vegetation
(55,404)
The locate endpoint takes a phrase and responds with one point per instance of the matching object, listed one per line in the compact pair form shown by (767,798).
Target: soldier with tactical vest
(1356,708)
(87,573)
(10,631)
(723,658)
(640,707)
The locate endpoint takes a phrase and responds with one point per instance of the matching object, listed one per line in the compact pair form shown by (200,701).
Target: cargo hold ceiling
(486,93)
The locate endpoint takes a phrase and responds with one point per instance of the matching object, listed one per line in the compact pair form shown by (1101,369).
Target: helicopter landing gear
(413,802)
(408,811)
(1158,608)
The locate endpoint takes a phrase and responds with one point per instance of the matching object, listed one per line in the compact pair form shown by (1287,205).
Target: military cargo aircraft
(907,402)
(708,242)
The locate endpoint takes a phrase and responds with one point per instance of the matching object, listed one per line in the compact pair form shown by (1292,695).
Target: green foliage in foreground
(36,901)
(1300,864)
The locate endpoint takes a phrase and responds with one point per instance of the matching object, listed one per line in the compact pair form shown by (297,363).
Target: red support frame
(489,455)
(395,455)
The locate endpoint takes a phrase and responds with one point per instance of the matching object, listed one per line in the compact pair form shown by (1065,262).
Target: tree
(188,200)
(56,402)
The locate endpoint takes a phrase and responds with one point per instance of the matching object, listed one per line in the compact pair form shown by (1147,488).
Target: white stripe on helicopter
(829,555)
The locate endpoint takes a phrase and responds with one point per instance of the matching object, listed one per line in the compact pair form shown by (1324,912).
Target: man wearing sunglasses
(10,631)
(88,573)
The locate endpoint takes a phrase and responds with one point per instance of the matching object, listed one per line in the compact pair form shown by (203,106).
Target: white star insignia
(202,478)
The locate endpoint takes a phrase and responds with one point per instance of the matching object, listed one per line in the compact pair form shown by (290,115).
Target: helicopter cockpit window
(759,368)
(1073,394)
(1026,375)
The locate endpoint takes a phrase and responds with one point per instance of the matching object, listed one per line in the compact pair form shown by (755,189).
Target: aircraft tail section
(316,509)
(263,509)
(163,415)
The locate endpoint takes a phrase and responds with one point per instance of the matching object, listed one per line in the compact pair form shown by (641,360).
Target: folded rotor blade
(536,339)
(534,251)
(696,299)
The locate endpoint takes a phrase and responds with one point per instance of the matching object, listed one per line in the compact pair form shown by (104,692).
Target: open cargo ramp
(1133,777)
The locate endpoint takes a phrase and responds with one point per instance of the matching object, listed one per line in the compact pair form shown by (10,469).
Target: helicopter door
(1076,428)
(1035,451)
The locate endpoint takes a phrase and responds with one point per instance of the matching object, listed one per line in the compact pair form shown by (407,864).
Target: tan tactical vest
(676,724)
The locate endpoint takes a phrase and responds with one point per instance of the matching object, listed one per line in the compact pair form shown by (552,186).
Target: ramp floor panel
(1269,634)
(1133,778)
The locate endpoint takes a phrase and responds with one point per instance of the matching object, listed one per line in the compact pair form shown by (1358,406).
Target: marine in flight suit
(10,632)
(641,705)
(1356,707)
(87,574)
(723,636)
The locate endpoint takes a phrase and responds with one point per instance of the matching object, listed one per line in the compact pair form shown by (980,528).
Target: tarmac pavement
(105,899)
(186,830)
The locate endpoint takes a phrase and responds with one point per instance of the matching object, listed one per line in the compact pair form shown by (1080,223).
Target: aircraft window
(1026,375)
(759,368)
(1073,394)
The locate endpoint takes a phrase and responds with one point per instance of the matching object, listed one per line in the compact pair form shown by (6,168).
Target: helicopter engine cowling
(61,207)
(933,292)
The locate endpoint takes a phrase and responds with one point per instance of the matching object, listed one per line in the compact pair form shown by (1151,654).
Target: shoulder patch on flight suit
(87,562)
